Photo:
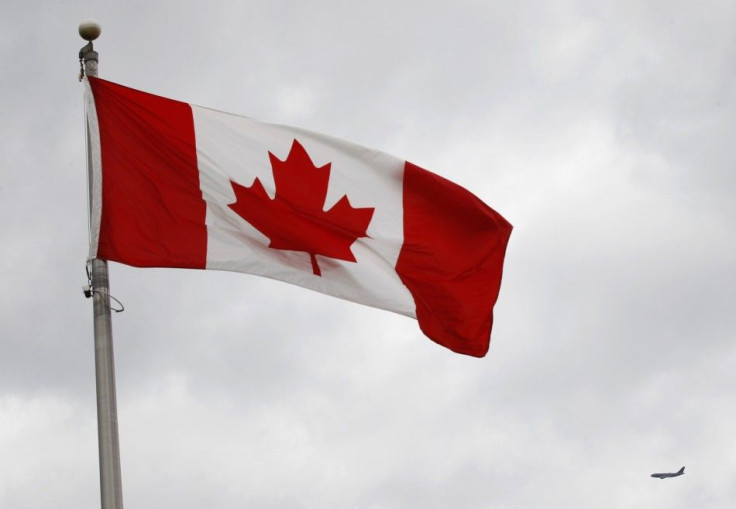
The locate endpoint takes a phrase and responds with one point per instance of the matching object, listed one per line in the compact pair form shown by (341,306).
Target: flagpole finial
(90,29)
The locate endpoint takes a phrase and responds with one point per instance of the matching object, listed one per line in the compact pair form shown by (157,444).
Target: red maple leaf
(294,219)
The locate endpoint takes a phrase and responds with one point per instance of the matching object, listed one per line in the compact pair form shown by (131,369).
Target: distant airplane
(675,474)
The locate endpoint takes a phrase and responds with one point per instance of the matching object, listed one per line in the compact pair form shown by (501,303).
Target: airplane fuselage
(670,474)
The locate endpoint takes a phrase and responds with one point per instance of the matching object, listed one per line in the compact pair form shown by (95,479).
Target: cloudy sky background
(604,133)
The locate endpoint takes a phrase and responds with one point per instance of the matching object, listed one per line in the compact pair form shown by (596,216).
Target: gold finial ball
(89,29)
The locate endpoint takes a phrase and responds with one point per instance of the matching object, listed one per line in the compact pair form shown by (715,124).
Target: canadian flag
(178,185)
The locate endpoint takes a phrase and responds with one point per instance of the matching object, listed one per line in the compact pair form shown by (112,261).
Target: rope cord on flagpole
(89,290)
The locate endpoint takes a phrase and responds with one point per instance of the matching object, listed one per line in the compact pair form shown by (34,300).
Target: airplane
(675,474)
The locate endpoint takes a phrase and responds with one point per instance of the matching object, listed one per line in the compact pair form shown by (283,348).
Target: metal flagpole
(107,415)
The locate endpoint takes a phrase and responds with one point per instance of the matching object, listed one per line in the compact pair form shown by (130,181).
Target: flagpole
(107,416)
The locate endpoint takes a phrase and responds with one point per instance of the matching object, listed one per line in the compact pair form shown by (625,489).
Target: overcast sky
(603,131)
